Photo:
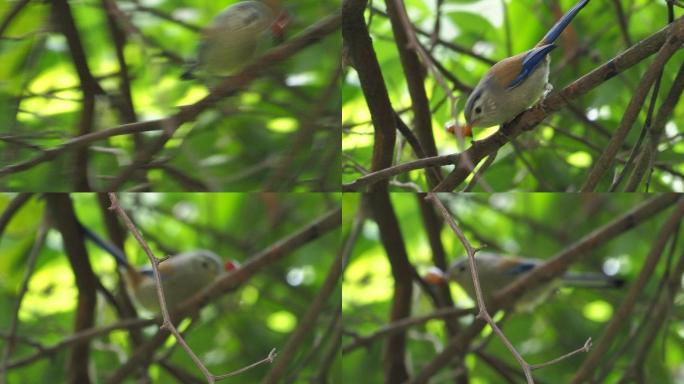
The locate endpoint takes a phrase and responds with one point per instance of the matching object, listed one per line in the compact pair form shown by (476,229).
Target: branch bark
(395,367)
(62,213)
(356,38)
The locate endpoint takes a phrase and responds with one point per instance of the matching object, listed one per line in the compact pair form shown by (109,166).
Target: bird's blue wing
(147,271)
(521,268)
(531,60)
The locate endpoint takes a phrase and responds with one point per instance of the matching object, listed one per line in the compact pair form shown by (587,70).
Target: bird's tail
(593,280)
(108,247)
(557,29)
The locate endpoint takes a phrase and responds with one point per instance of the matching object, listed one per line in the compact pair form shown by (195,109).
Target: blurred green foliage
(41,101)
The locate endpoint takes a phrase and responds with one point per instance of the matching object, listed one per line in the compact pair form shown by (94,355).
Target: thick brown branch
(357,39)
(395,366)
(62,213)
(414,73)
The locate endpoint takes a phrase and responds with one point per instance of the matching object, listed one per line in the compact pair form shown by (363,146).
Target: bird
(496,271)
(182,275)
(235,35)
(514,84)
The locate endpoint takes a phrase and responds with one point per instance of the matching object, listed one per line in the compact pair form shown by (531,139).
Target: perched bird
(515,83)
(234,36)
(496,272)
(182,275)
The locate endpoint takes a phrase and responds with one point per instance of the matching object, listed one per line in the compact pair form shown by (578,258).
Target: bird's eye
(462,268)
(478,110)
(205,264)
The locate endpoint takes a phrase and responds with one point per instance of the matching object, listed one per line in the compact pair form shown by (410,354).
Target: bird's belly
(176,290)
(225,57)
(528,92)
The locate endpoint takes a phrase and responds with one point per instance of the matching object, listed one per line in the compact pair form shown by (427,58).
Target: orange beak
(467,131)
(460,130)
(435,276)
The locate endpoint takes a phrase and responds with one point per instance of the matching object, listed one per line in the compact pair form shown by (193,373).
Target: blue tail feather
(593,280)
(108,247)
(557,29)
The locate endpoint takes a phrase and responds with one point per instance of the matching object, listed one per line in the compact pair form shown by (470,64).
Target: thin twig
(79,337)
(483,313)
(167,322)
(402,324)
(584,348)
(268,359)
(480,171)
(482,308)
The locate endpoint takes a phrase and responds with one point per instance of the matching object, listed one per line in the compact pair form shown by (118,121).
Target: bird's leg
(547,89)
